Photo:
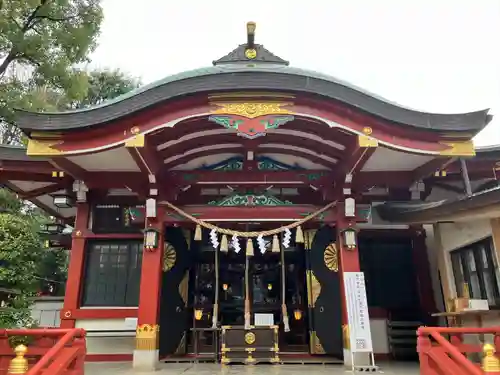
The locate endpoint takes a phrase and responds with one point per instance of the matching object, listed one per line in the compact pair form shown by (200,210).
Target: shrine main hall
(219,213)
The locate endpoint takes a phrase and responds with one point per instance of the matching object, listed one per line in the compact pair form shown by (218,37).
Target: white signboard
(264,320)
(357,312)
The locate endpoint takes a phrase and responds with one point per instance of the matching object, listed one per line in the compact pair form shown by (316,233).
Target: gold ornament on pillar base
(147,337)
(19,365)
(299,235)
(276,244)
(490,362)
(197,233)
(249,250)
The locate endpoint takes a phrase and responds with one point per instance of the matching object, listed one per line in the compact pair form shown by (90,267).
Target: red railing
(51,351)
(440,356)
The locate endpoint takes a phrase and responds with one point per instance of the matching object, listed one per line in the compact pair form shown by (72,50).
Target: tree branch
(8,59)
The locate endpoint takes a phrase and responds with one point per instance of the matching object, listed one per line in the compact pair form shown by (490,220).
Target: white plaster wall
(380,340)
(46,311)
(101,342)
(457,235)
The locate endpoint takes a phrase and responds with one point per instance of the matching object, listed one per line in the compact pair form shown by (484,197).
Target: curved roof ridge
(248,68)
(230,77)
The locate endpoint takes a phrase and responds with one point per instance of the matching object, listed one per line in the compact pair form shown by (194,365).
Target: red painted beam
(357,157)
(295,141)
(147,158)
(6,176)
(26,166)
(299,177)
(45,190)
(431,167)
(263,213)
(263,149)
(73,169)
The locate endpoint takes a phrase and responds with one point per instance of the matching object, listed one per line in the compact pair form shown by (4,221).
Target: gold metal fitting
(490,362)
(19,365)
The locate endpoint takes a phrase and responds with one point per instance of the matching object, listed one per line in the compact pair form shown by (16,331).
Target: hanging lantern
(198,314)
(350,207)
(349,238)
(151,239)
(62,200)
(225,286)
(53,228)
(269,286)
(297,314)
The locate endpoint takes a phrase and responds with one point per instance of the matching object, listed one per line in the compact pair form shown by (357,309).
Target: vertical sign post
(357,316)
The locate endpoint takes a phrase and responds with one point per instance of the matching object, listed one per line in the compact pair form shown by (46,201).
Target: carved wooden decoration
(331,257)
(169,257)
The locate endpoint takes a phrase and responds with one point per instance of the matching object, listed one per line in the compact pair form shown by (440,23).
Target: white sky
(432,55)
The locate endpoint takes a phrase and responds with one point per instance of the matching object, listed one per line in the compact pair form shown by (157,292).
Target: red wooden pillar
(349,262)
(75,269)
(146,353)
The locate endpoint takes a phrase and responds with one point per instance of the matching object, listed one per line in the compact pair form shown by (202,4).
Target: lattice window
(113,273)
(475,265)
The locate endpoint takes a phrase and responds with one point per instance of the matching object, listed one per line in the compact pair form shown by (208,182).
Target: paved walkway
(213,369)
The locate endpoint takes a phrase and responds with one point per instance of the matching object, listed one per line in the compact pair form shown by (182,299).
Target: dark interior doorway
(265,290)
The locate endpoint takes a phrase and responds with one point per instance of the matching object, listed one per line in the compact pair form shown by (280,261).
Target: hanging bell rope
(299,235)
(215,315)
(284,310)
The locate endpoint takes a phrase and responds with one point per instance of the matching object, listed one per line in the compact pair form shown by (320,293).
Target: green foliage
(41,42)
(20,252)
(105,85)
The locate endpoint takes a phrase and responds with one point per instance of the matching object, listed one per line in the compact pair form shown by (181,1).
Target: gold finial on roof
(251,35)
(251,28)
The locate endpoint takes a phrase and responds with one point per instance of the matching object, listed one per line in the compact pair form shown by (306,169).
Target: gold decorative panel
(249,338)
(313,288)
(252,109)
(147,337)
(331,257)
(169,257)
(309,237)
(315,344)
(460,148)
(43,148)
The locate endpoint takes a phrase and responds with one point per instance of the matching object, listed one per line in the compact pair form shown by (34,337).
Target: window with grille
(113,273)
(475,266)
(113,218)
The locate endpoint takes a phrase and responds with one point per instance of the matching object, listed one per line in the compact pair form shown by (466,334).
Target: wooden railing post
(424,345)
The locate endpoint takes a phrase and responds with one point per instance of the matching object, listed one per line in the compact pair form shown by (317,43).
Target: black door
(323,283)
(174,293)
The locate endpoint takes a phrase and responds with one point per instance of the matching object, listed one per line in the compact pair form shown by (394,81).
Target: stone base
(146,360)
(360,359)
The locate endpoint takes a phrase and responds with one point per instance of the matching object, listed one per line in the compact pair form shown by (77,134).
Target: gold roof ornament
(250,51)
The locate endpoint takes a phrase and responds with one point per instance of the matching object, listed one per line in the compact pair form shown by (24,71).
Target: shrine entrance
(273,280)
